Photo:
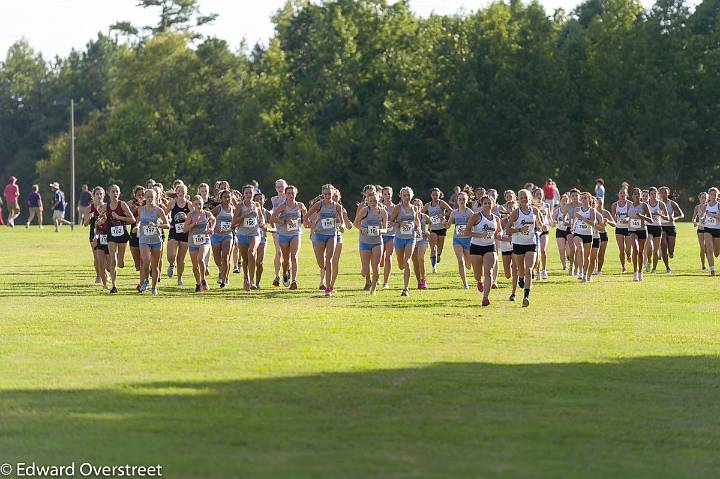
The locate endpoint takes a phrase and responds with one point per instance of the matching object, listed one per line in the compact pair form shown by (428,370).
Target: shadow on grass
(646,417)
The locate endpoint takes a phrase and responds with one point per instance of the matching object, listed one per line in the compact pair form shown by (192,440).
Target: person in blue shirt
(600,190)
(59,207)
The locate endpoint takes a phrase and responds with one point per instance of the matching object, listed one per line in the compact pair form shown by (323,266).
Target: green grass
(609,379)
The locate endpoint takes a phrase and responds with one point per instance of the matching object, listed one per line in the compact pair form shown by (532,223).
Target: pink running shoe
(486,302)
(480,286)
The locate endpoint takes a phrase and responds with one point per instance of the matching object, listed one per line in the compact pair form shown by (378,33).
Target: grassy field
(609,379)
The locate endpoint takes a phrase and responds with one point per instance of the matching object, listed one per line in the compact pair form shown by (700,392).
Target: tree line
(351,92)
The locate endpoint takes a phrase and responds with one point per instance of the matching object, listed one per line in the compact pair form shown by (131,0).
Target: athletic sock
(527,292)
(433,261)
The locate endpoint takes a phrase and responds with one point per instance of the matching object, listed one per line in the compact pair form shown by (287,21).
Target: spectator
(256,187)
(453,197)
(552,194)
(1,212)
(83,202)
(600,190)
(12,195)
(36,206)
(59,207)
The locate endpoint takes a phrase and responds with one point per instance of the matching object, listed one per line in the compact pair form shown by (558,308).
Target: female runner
(100,251)
(222,237)
(543,235)
(178,209)
(437,210)
(697,221)
(371,220)
(461,240)
(288,216)
(583,223)
(406,220)
(388,238)
(150,221)
(340,227)
(118,215)
(422,243)
(619,211)
(638,216)
(523,222)
(711,228)
(561,228)
(198,225)
(277,200)
(259,198)
(134,204)
(669,231)
(329,214)
(658,210)
(485,229)
(569,214)
(605,218)
(249,220)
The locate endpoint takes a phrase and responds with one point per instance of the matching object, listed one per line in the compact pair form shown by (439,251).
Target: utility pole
(72,157)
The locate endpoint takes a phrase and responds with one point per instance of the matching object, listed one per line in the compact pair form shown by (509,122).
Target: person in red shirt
(552,194)
(12,195)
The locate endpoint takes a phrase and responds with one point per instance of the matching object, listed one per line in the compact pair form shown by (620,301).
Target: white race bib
(710,221)
(436,220)
(250,222)
(460,229)
(149,230)
(292,225)
(407,229)
(102,239)
(635,223)
(327,223)
(225,226)
(117,231)
(390,230)
(200,239)
(373,230)
(179,228)
(488,234)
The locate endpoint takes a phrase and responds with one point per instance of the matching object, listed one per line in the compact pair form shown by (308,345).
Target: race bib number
(436,220)
(390,230)
(460,229)
(179,228)
(327,223)
(373,230)
(635,223)
(711,221)
(117,231)
(488,234)
(102,239)
(200,239)
(658,219)
(525,230)
(250,222)
(225,226)
(149,230)
(293,225)
(407,228)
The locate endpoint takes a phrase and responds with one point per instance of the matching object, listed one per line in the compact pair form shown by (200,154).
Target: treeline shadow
(645,417)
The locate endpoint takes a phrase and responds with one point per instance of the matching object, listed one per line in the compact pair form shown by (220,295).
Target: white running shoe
(170,271)
(465,286)
(544,274)
(386,286)
(154,291)
(180,282)
(635,277)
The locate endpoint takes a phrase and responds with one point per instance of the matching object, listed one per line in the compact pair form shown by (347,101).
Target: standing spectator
(35,205)
(256,187)
(600,190)
(83,203)
(12,195)
(59,207)
(552,194)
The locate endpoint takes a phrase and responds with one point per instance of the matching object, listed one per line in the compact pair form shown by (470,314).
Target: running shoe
(236,270)
(480,286)
(322,287)
(219,278)
(197,288)
(113,290)
(368,285)
(512,297)
(521,282)
(465,286)
(170,271)
(624,270)
(276,281)
(204,285)
(434,270)
(438,258)
(641,276)
(154,291)
(143,286)
(526,302)
(180,282)
(286,279)
(328,292)
(293,285)
(222,285)
(405,292)
(386,286)
(423,284)
(544,274)
(486,302)
(253,286)
(635,277)
(494,286)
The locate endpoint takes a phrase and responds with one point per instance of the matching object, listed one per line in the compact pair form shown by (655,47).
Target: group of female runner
(232,227)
